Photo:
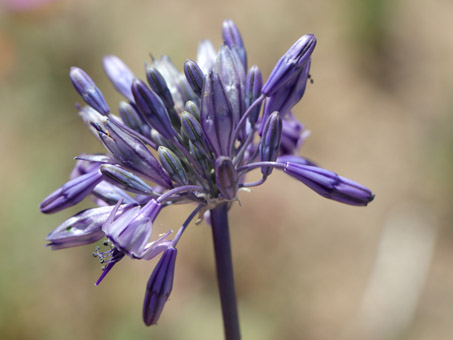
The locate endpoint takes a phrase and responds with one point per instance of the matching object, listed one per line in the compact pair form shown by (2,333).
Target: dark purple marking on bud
(232,38)
(172,165)
(216,116)
(253,87)
(194,76)
(290,64)
(206,56)
(124,179)
(88,90)
(330,185)
(270,141)
(119,74)
(81,229)
(71,192)
(226,177)
(159,287)
(159,86)
(152,108)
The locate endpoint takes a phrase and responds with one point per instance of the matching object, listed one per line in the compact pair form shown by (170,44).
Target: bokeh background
(380,111)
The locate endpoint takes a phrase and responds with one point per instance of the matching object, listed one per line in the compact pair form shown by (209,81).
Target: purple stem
(225,277)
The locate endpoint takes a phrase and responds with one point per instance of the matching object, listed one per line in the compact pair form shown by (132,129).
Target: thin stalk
(224,266)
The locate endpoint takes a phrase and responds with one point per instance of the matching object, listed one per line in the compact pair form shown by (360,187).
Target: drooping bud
(290,94)
(216,116)
(159,287)
(232,38)
(172,165)
(152,108)
(270,141)
(226,177)
(119,74)
(125,179)
(88,90)
(253,87)
(71,193)
(81,229)
(130,152)
(329,184)
(194,76)
(290,64)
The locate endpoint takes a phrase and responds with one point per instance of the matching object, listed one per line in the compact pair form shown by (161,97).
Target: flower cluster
(186,137)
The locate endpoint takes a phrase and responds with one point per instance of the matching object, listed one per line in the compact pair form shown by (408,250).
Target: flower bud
(290,94)
(253,87)
(290,64)
(193,109)
(172,165)
(190,127)
(88,90)
(232,38)
(216,116)
(232,79)
(329,184)
(119,74)
(226,177)
(132,119)
(159,86)
(125,179)
(194,76)
(270,141)
(159,287)
(71,192)
(293,135)
(130,152)
(152,108)
(206,56)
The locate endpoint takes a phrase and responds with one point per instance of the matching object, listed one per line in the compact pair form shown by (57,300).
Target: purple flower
(208,129)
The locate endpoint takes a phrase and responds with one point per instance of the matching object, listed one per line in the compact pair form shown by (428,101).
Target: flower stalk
(224,267)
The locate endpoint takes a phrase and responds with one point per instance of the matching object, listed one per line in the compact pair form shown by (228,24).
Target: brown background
(380,112)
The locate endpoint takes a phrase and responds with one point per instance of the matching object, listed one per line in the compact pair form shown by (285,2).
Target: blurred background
(380,112)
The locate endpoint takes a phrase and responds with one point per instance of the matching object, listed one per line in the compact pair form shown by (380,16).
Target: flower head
(206,126)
